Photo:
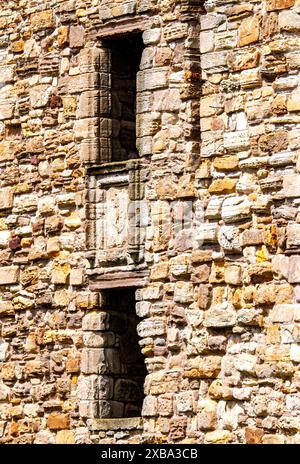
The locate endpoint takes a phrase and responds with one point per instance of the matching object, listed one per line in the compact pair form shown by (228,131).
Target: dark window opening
(126,55)
(129,373)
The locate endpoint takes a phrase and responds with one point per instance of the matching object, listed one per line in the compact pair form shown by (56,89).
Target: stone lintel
(130,423)
(117,280)
(114,167)
(123,26)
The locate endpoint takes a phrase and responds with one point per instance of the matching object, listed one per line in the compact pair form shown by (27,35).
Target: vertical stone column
(99,363)
(93,115)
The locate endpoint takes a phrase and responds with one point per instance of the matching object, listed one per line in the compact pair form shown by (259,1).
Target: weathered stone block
(100,361)
(204,367)
(152,79)
(285,313)
(273,5)
(7,73)
(6,198)
(249,31)
(289,21)
(58,421)
(65,437)
(294,270)
(42,20)
(151,327)
(184,402)
(210,105)
(9,275)
(62,36)
(291,185)
(149,406)
(221,315)
(293,101)
(236,141)
(207,233)
(236,208)
(39,95)
(293,235)
(7,107)
(151,36)
(76,36)
(233,274)
(183,292)
(222,186)
(95,321)
(60,273)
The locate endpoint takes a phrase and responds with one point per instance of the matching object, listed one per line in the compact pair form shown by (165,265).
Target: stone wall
(214,256)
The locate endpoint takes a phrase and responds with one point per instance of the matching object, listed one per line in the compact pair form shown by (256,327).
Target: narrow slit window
(126,55)
(125,362)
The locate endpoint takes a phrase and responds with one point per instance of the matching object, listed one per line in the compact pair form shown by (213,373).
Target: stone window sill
(127,423)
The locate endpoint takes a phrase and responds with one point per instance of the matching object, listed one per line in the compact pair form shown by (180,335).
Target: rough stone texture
(204,223)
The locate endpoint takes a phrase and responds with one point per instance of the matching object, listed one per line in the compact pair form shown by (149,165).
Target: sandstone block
(233,274)
(165,404)
(222,186)
(293,235)
(7,150)
(76,36)
(7,107)
(149,406)
(9,275)
(62,36)
(293,101)
(273,5)
(219,436)
(6,198)
(152,79)
(65,437)
(249,31)
(60,273)
(4,391)
(253,436)
(289,21)
(220,315)
(285,313)
(6,73)
(69,105)
(207,233)
(57,421)
(39,95)
(294,270)
(151,327)
(295,352)
(76,277)
(236,208)
(42,20)
(100,361)
(210,105)
(184,402)
(206,367)
(236,141)
(239,60)
(183,292)
(151,36)
(95,321)
(252,237)
(53,245)
(226,163)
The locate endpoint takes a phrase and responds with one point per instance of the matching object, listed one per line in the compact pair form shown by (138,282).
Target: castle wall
(213,256)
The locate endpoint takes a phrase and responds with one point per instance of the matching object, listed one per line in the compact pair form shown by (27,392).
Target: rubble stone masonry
(199,223)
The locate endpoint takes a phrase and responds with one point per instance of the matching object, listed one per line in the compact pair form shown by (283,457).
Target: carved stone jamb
(93,114)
